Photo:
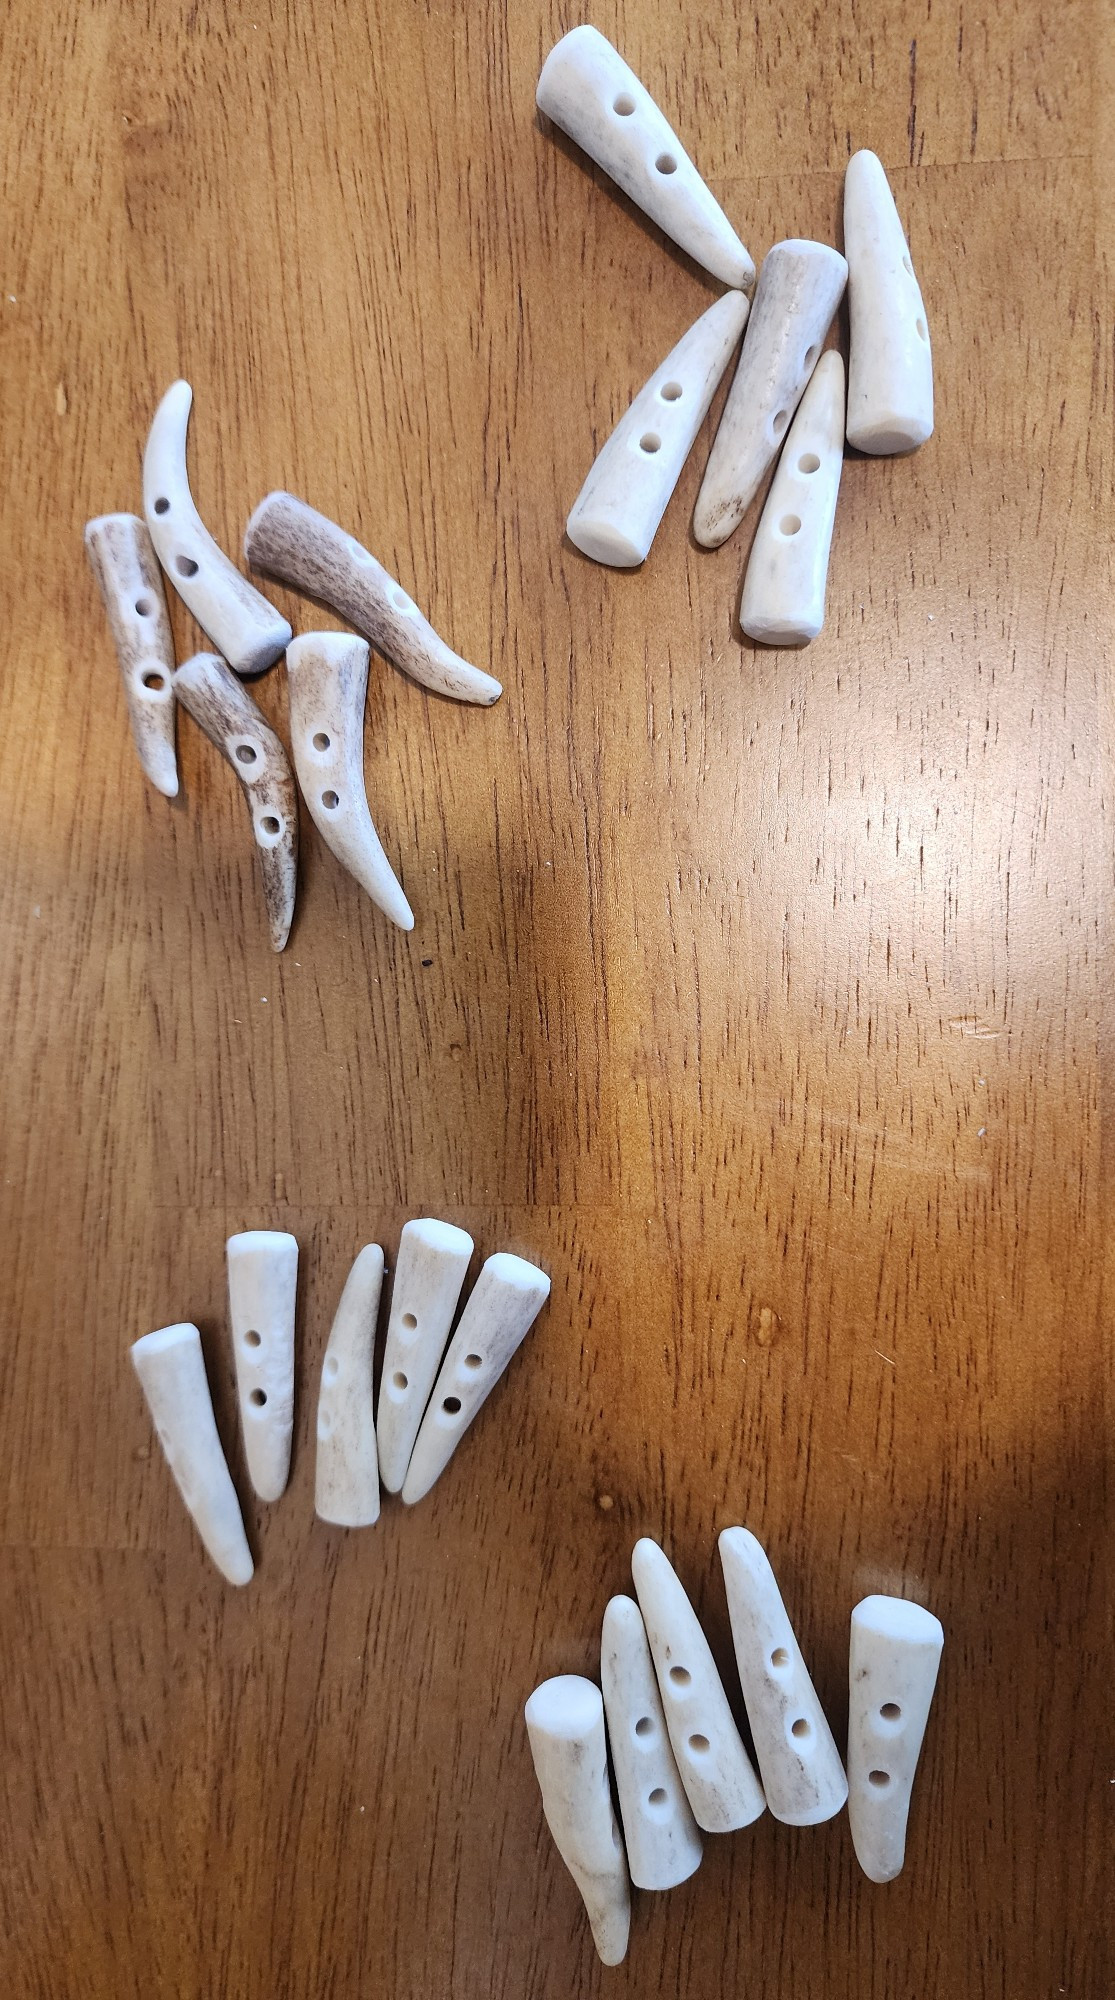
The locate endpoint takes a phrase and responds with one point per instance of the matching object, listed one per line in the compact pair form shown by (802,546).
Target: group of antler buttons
(430,1391)
(588,89)
(677,1759)
(327,671)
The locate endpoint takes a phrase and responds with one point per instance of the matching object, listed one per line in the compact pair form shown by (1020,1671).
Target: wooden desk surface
(757,995)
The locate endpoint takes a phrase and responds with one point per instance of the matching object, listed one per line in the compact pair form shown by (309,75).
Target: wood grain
(757,996)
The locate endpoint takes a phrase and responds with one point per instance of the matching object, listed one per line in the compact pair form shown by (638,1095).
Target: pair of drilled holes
(185,565)
(919,324)
(800,1729)
(400,1380)
(790,524)
(256,1397)
(922,331)
(451,1406)
(624,106)
(650,442)
(156,683)
(247,754)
